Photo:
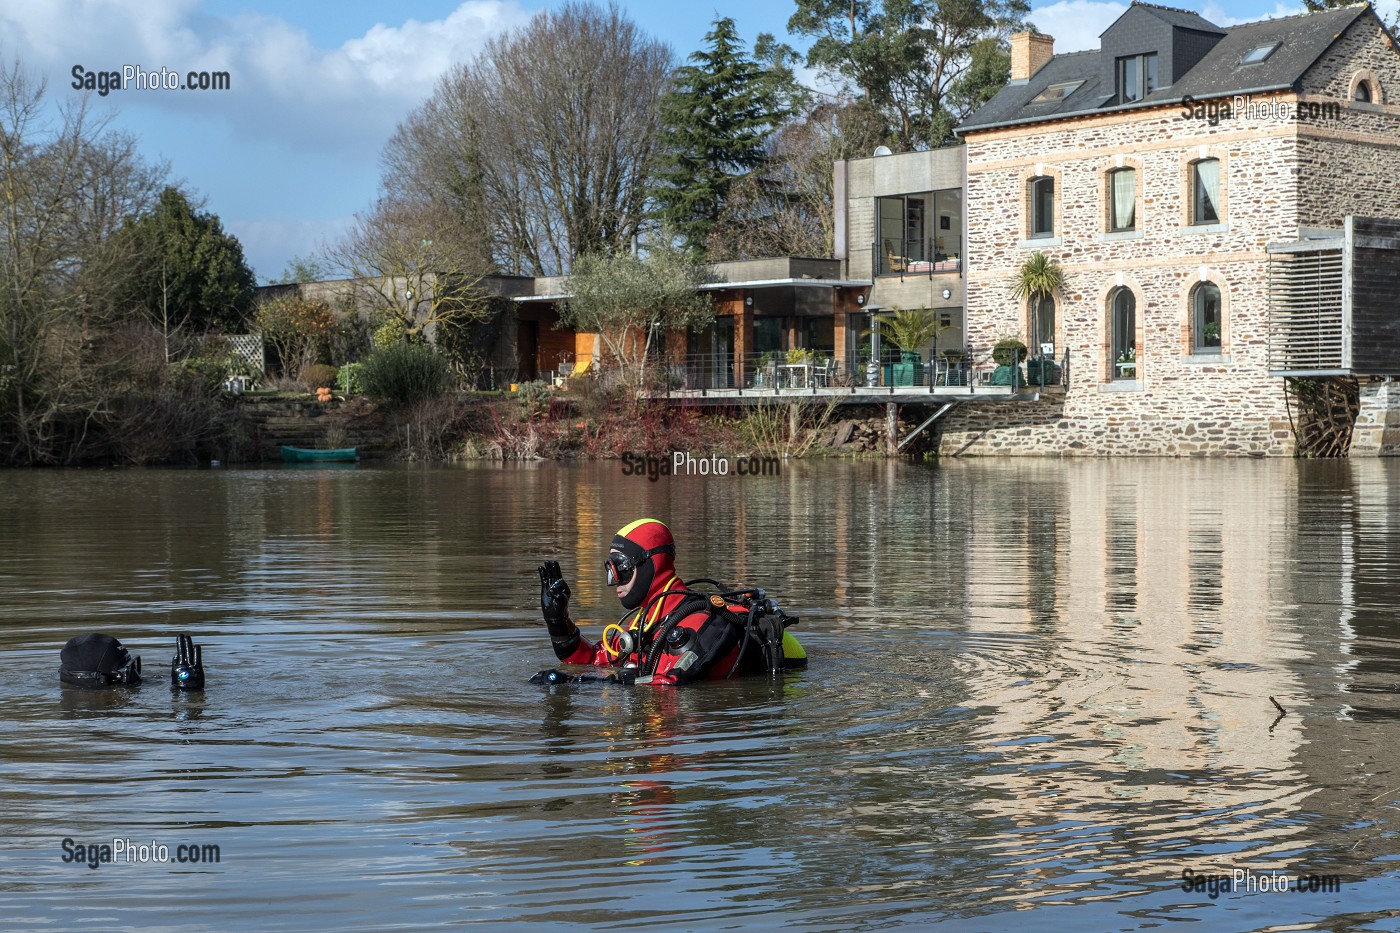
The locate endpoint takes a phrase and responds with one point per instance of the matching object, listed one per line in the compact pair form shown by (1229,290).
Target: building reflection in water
(1140,717)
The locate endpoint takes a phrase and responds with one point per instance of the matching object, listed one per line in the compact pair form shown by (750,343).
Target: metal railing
(779,372)
(912,257)
(774,370)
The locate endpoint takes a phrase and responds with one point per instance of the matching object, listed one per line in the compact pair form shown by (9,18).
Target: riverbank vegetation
(117,287)
(110,280)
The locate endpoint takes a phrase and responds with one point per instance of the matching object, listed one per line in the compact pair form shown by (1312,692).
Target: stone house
(1170,174)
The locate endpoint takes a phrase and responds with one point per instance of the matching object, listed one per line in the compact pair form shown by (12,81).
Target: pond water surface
(1039,694)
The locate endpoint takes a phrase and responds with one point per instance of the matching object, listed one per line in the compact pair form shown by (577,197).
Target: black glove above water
(554,605)
(187,667)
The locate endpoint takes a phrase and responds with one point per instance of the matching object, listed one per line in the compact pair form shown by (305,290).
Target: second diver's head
(97,660)
(641,553)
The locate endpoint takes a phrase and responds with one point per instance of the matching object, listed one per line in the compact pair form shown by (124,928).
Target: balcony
(907,258)
(720,379)
(1332,304)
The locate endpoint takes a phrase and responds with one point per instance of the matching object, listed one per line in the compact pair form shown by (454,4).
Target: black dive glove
(552,677)
(187,667)
(554,605)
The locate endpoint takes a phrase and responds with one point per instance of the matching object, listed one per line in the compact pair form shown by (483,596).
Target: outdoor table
(805,369)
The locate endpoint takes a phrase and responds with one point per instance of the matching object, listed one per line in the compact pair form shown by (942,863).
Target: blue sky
(291,151)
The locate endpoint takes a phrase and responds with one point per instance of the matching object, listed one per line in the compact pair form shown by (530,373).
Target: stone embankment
(270,423)
(266,424)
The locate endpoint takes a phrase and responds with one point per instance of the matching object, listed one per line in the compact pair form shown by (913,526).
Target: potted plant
(910,329)
(765,368)
(1009,353)
(1127,363)
(1038,278)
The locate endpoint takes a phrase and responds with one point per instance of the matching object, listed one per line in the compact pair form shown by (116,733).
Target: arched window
(1205,319)
(1123,334)
(1122,200)
(1363,92)
(1042,329)
(1205,191)
(1042,194)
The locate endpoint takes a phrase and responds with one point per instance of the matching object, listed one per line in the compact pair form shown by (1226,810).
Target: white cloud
(299,133)
(1076,24)
(283,86)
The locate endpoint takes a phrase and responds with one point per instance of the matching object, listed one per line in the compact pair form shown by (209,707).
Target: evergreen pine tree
(716,118)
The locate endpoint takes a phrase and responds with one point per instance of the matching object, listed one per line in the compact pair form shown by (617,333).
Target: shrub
(534,399)
(316,375)
(199,373)
(404,373)
(351,378)
(298,329)
(1009,352)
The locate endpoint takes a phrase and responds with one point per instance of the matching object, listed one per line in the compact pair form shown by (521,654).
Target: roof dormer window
(1260,52)
(1137,77)
(1056,92)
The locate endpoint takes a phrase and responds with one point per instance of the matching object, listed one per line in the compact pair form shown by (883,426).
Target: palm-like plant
(1039,277)
(910,329)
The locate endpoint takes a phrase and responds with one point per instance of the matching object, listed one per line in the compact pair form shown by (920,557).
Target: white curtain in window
(1124,196)
(1208,171)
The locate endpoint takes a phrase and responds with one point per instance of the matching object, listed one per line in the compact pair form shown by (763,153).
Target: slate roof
(1182,19)
(1304,38)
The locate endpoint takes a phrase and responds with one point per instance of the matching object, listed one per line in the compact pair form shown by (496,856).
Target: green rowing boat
(310,455)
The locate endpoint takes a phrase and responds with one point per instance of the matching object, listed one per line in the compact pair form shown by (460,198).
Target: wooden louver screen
(1306,320)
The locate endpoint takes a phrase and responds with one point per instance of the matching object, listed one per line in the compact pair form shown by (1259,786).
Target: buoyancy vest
(719,635)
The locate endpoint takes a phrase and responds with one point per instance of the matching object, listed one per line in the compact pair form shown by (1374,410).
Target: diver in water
(99,660)
(671,634)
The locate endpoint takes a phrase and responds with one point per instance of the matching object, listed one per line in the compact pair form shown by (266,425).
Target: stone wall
(1377,431)
(1179,403)
(1362,141)
(269,423)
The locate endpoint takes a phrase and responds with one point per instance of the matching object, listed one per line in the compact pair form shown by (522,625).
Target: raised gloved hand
(554,605)
(187,667)
(554,594)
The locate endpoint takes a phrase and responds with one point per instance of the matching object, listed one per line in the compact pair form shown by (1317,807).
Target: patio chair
(893,261)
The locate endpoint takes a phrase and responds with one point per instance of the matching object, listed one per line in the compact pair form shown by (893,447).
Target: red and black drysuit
(683,637)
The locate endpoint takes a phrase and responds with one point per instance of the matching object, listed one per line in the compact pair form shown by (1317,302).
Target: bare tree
(788,209)
(431,165)
(66,187)
(409,270)
(546,140)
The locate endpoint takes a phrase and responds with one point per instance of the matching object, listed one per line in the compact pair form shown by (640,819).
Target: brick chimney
(1029,53)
